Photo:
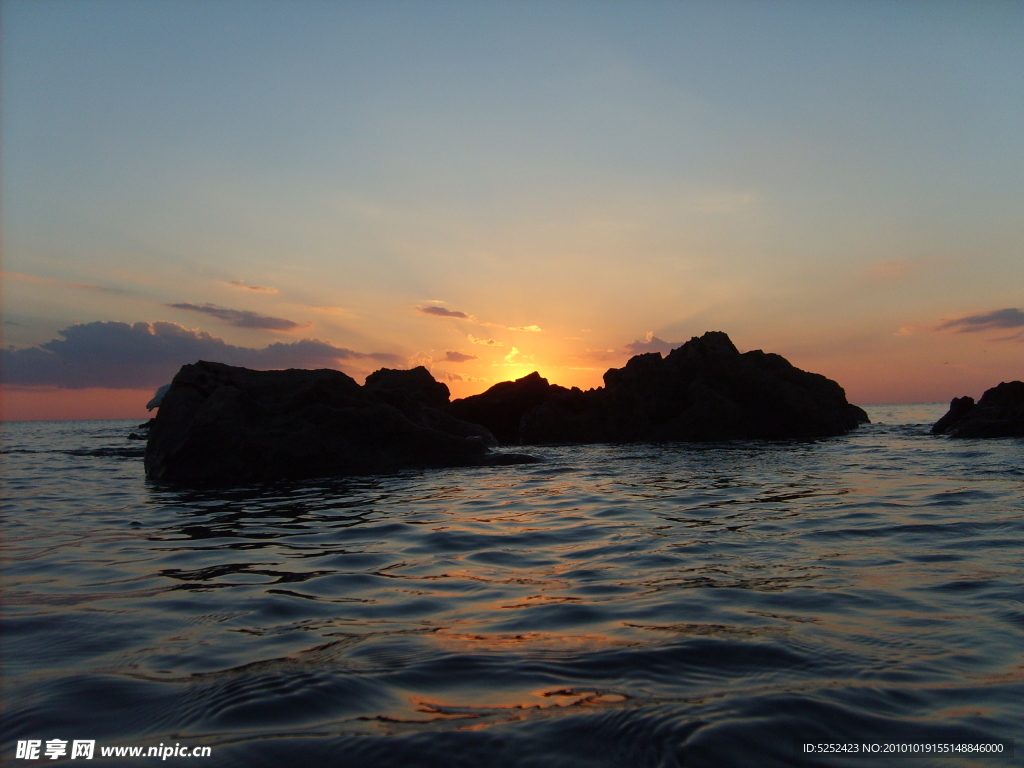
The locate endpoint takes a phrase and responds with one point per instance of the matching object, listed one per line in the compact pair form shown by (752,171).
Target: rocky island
(703,390)
(223,424)
(999,413)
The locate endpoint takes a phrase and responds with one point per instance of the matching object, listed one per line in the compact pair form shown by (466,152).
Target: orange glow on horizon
(53,404)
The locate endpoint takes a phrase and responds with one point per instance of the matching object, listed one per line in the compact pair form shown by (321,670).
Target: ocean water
(638,605)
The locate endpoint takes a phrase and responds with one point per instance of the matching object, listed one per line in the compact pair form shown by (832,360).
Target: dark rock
(565,416)
(222,424)
(144,433)
(707,390)
(419,397)
(501,408)
(959,407)
(416,384)
(999,413)
(704,390)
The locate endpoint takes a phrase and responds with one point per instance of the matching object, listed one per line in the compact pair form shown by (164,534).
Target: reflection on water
(615,605)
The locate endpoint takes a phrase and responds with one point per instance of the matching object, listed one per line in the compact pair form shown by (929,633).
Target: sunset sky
(494,188)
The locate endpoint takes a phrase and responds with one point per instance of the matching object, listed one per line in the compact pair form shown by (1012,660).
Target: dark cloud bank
(123,356)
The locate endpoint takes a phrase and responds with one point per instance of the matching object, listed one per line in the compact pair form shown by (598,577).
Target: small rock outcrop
(420,397)
(416,385)
(999,413)
(704,390)
(223,424)
(502,407)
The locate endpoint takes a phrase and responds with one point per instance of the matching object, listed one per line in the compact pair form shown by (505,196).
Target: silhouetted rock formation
(501,408)
(704,390)
(416,384)
(222,424)
(999,413)
(420,397)
(958,408)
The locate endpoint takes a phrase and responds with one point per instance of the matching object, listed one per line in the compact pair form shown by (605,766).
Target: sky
(494,188)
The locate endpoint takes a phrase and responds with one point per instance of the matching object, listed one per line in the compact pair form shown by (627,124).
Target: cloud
(452,356)
(448,376)
(61,283)
(487,342)
(985,321)
(651,343)
(435,311)
(122,356)
(243,318)
(421,358)
(442,312)
(258,288)
(515,357)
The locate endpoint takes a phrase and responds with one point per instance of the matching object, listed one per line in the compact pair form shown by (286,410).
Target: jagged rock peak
(416,383)
(999,413)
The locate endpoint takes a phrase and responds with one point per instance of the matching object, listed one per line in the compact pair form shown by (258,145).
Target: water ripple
(641,605)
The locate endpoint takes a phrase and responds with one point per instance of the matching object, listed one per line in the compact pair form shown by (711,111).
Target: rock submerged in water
(704,390)
(999,413)
(222,424)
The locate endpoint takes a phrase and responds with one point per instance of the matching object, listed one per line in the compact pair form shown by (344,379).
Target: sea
(852,601)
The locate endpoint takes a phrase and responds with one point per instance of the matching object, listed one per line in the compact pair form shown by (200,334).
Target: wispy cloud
(454,356)
(438,311)
(242,318)
(442,312)
(449,376)
(986,321)
(486,342)
(421,358)
(245,286)
(651,343)
(122,356)
(515,357)
(61,283)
